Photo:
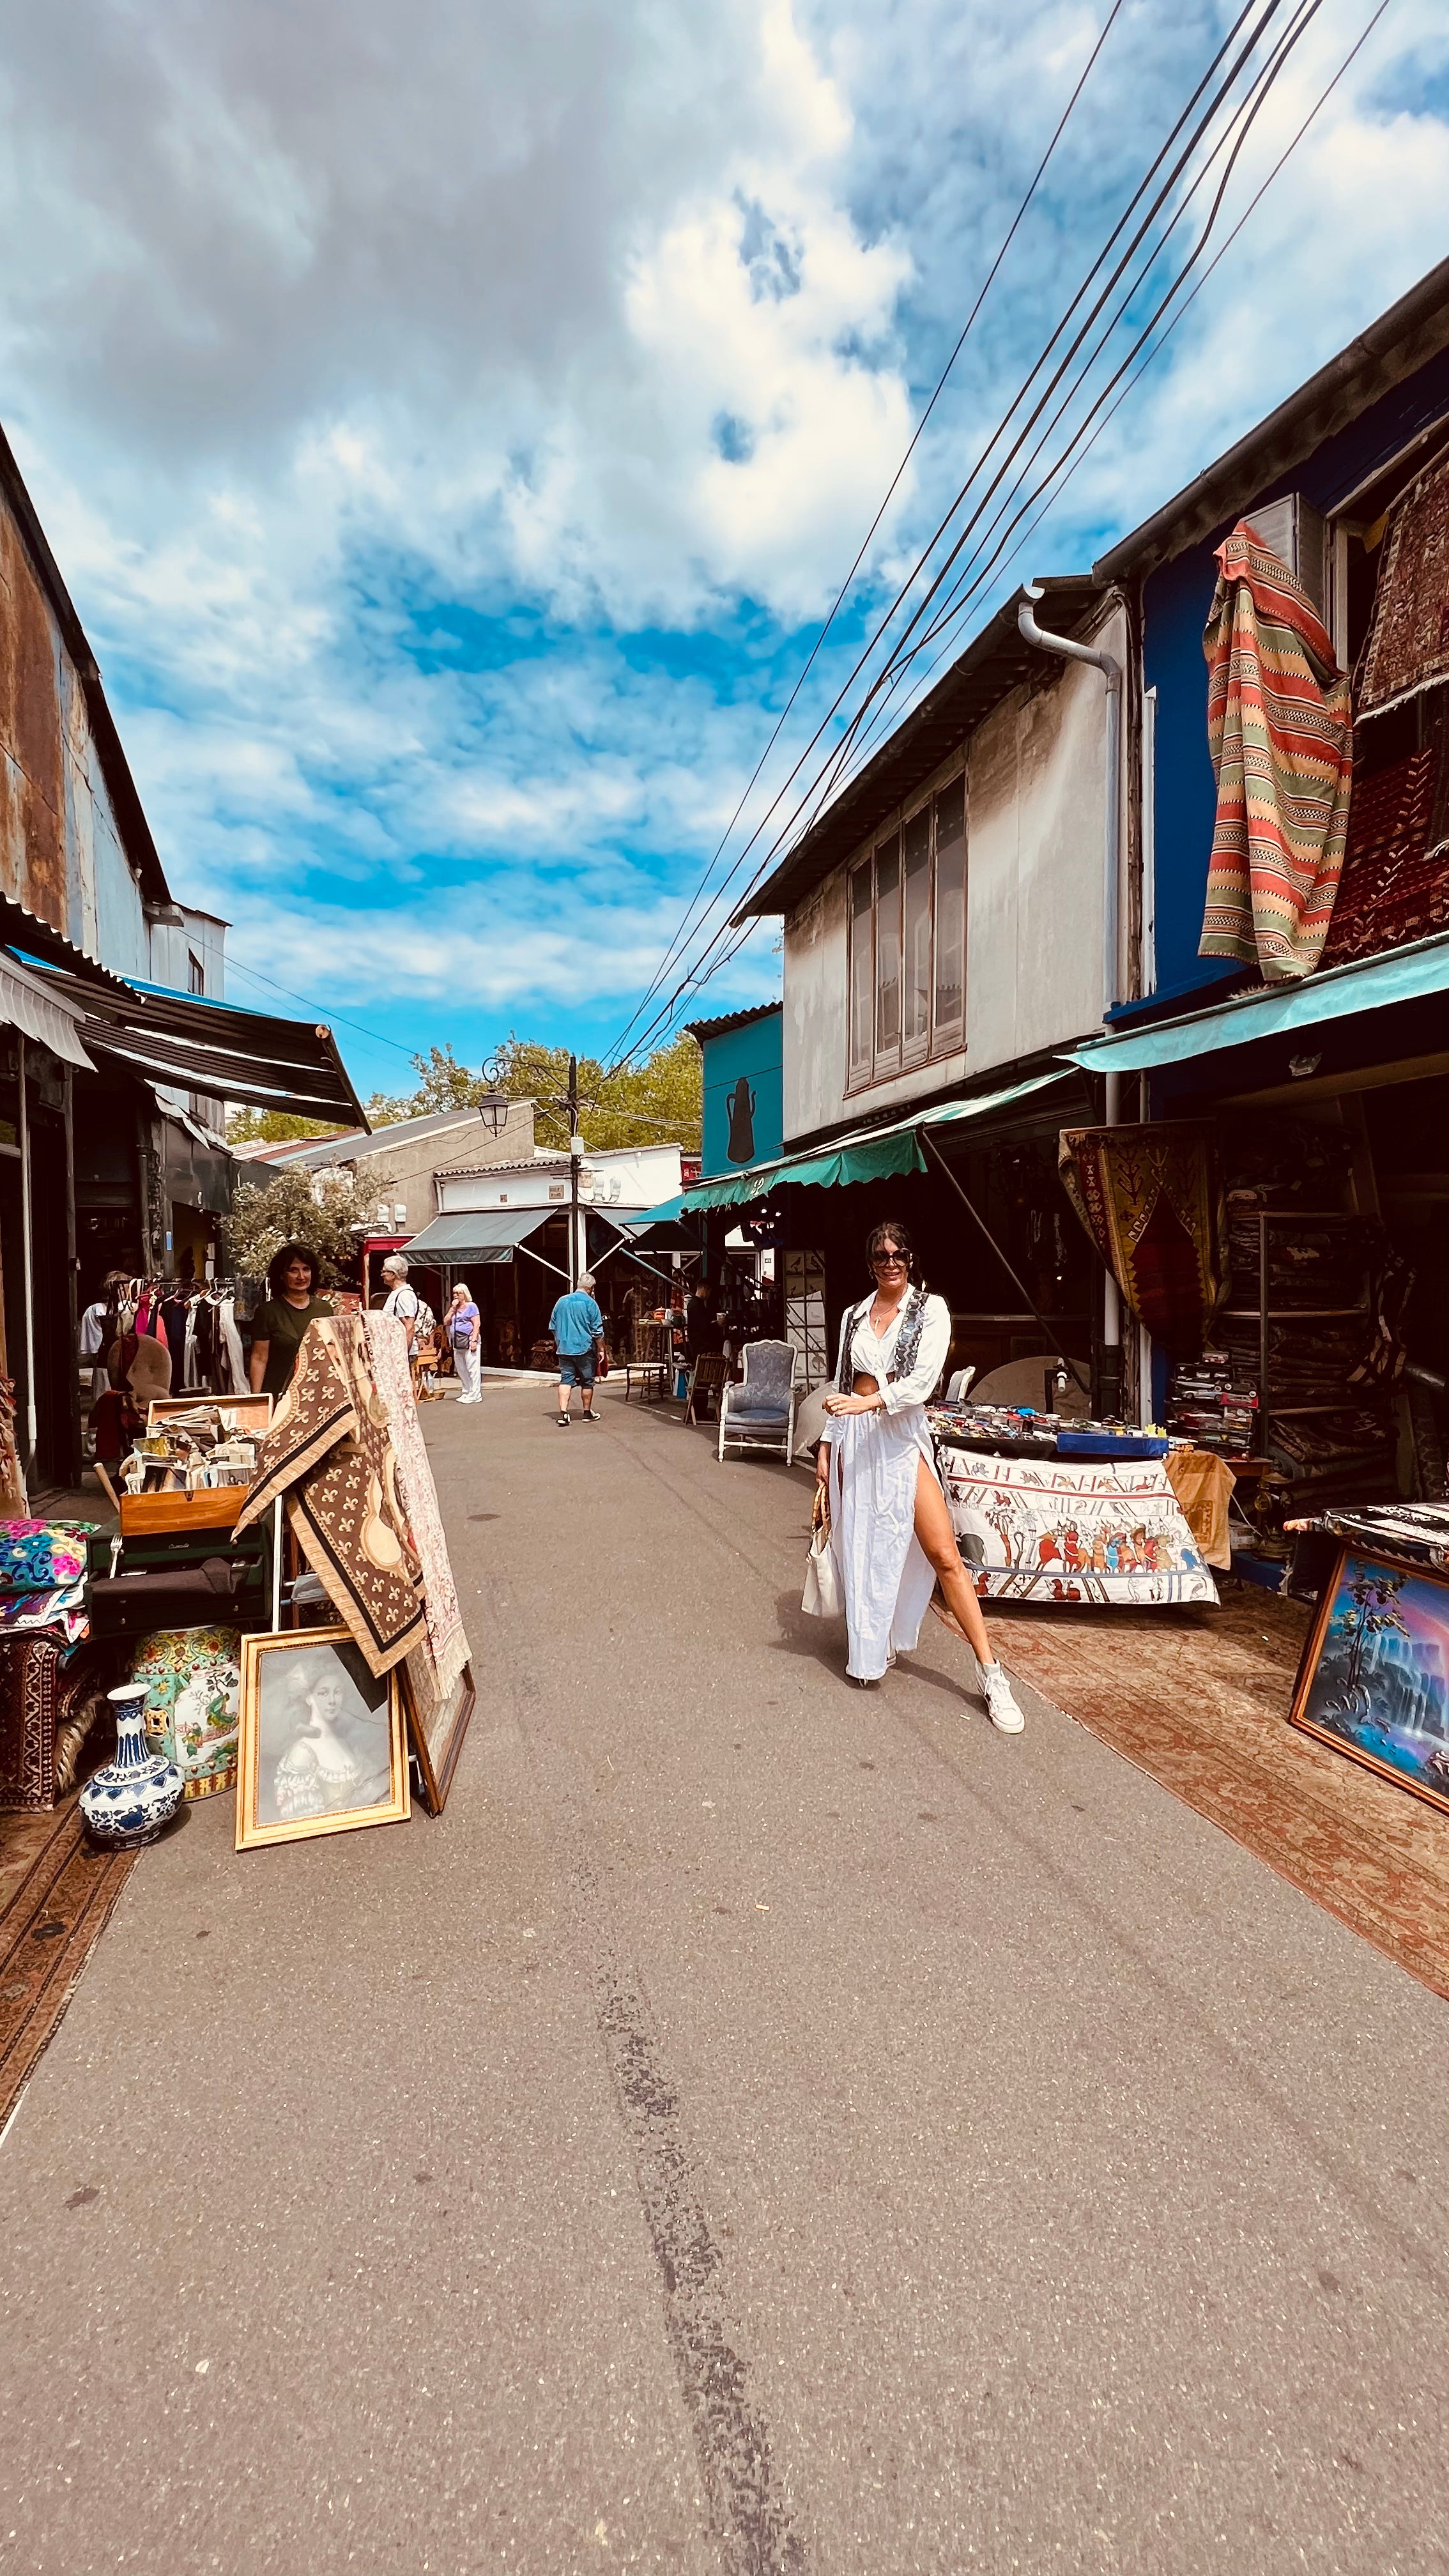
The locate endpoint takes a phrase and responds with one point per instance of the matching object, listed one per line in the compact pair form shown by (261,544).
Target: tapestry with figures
(1071,1531)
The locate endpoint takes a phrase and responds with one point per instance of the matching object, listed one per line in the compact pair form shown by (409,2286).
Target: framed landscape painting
(321,1746)
(1374,1681)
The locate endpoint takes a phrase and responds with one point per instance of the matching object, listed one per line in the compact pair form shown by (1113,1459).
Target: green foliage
(274,1127)
(658,1102)
(289,1210)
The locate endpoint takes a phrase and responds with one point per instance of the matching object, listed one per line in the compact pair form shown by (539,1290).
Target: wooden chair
(651,1363)
(708,1379)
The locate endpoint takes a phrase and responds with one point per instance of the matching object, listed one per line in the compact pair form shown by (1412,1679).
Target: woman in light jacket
(889,1526)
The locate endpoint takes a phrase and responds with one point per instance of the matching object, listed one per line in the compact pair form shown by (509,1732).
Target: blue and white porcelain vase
(129,1801)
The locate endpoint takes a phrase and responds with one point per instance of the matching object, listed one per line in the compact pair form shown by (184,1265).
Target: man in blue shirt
(577,1328)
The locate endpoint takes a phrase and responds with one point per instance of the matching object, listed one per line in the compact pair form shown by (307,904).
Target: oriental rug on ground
(57,1889)
(1199,1699)
(1281,737)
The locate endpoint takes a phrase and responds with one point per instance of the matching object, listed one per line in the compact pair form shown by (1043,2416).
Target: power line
(1095,267)
(1139,194)
(234,966)
(699,895)
(703,966)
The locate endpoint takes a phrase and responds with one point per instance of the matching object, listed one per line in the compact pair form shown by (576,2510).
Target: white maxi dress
(885,1574)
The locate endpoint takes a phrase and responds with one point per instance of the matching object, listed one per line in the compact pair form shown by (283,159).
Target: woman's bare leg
(933,1529)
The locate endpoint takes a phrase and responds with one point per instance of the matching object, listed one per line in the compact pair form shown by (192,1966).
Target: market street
(762,2125)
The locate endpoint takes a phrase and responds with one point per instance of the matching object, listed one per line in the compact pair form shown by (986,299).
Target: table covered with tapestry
(1069,1531)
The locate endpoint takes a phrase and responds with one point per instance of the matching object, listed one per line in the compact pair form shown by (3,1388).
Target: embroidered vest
(908,1340)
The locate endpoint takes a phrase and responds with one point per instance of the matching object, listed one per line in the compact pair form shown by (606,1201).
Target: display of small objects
(1212,1404)
(190,1452)
(1015,1431)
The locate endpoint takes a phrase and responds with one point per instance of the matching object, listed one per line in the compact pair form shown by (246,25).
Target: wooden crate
(176,1515)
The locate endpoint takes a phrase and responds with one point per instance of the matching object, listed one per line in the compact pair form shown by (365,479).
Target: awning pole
(928,1139)
(32,1429)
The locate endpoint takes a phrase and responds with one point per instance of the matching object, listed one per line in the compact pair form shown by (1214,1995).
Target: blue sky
(453,424)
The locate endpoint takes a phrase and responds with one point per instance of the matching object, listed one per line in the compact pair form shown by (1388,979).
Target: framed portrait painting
(436,1730)
(321,1747)
(1374,1680)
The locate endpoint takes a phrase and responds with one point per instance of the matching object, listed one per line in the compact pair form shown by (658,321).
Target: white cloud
(442,418)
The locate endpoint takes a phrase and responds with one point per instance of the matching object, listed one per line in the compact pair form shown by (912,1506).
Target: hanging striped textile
(1280,731)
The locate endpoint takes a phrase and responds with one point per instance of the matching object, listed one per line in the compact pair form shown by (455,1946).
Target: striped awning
(217,1048)
(27,1004)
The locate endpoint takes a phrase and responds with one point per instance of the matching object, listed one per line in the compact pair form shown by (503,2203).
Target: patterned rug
(1396,867)
(1408,645)
(1280,732)
(1152,1202)
(1199,1699)
(56,1893)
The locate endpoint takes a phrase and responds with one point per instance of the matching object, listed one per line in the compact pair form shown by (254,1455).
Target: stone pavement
(763,2126)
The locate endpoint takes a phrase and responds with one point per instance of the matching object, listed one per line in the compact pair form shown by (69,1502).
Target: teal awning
(639,1220)
(1404,975)
(493,1234)
(870,1154)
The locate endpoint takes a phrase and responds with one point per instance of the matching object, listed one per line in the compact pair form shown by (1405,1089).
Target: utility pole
(576,1147)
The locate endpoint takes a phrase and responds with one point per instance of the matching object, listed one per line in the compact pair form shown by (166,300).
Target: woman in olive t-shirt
(280,1324)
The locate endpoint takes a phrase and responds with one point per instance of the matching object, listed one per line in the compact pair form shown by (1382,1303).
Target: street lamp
(494,1104)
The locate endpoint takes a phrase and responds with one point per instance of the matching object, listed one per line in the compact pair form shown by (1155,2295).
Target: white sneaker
(1001,1705)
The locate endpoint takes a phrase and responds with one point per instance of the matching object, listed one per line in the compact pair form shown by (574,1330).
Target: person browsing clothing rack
(890,1531)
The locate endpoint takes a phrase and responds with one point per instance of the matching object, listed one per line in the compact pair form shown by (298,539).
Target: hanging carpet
(1396,867)
(1408,645)
(1281,737)
(329,1451)
(436,1664)
(1151,1200)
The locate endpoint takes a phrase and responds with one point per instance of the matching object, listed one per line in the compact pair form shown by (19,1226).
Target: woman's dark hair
(281,1262)
(889,1232)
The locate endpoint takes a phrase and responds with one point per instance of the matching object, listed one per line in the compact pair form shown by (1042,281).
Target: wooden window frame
(886,1063)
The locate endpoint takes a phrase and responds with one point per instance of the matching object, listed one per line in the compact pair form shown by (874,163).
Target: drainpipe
(1111,670)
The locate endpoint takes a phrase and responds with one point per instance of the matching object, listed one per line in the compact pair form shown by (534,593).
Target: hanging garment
(174,1319)
(885,1574)
(1408,644)
(1280,732)
(1151,1200)
(231,1344)
(1395,867)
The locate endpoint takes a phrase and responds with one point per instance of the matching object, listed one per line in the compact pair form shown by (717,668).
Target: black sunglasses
(881,1260)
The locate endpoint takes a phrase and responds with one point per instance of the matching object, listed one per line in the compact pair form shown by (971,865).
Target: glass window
(949,1018)
(862,972)
(888,949)
(916,908)
(197,972)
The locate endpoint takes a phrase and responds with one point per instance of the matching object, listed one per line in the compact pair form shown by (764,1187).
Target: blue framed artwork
(1374,1680)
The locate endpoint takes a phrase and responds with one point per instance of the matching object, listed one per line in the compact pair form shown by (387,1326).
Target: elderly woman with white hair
(464,1327)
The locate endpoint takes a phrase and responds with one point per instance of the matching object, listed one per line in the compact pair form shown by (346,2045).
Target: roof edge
(1404,338)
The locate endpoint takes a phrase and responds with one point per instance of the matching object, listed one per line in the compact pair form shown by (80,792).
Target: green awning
(1412,974)
(870,1154)
(492,1234)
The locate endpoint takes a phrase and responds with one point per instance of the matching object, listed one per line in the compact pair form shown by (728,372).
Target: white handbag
(822,1596)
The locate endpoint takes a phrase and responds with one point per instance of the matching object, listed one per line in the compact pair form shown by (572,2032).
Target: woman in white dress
(889,1527)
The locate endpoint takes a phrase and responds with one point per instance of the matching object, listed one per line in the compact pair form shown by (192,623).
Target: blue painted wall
(1175,602)
(744,1096)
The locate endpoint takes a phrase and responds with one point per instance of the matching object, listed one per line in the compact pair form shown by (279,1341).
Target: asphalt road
(763,2126)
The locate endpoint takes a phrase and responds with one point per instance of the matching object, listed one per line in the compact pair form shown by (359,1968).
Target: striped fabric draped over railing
(1280,732)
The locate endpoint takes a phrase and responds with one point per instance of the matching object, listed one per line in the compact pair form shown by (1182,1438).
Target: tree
(289,1210)
(658,1102)
(274,1127)
(1374,1614)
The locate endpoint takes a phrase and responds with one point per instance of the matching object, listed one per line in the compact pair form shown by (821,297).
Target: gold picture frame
(438,1742)
(322,1747)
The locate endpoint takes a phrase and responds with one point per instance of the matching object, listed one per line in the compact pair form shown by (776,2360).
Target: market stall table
(1036,1519)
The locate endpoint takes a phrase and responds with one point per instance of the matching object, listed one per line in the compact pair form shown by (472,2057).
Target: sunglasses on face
(888,1261)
